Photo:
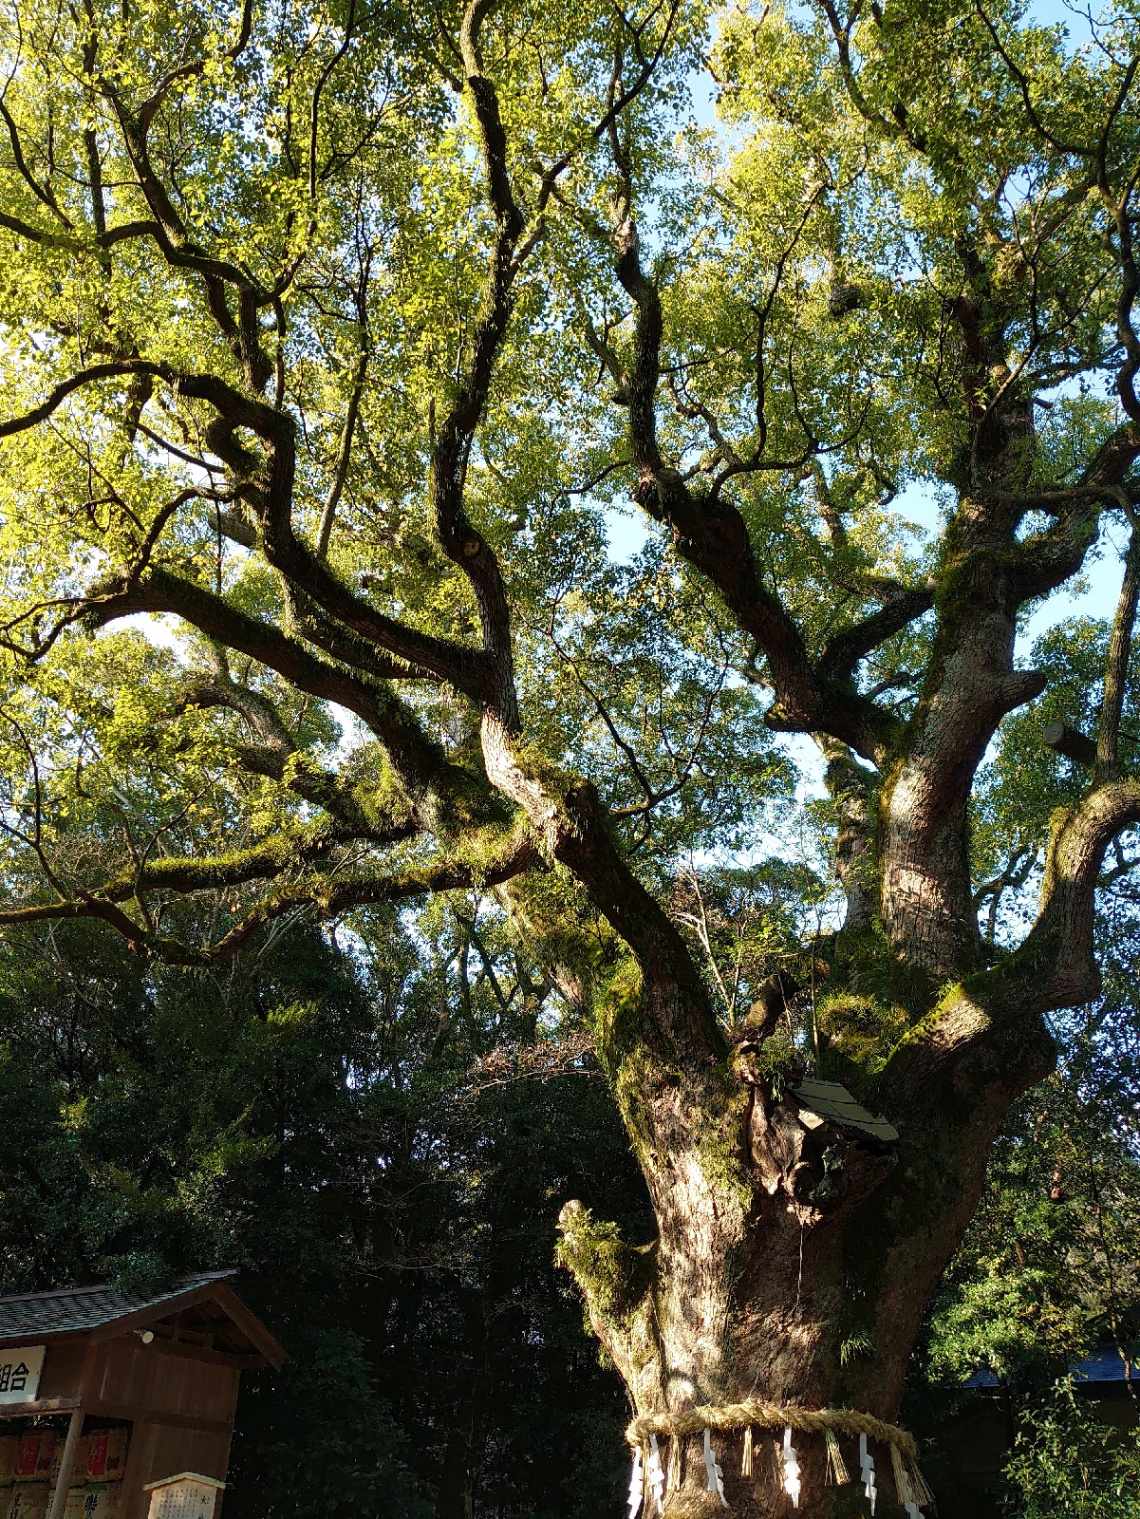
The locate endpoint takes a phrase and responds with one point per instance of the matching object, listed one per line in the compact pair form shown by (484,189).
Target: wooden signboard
(189,1495)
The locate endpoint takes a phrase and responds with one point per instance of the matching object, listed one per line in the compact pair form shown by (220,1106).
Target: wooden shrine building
(106,1395)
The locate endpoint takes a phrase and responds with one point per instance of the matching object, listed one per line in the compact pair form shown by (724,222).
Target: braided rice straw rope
(844,1421)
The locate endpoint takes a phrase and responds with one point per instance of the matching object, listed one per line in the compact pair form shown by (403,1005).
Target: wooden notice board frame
(167,1365)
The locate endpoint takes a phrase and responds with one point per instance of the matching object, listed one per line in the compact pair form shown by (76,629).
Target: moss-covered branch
(324,896)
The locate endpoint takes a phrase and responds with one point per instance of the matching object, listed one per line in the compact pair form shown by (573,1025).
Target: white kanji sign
(20,1373)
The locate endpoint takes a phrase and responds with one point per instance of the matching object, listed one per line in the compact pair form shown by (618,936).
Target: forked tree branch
(270,490)
(272,755)
(1059,951)
(712,535)
(464,546)
(261,862)
(418,761)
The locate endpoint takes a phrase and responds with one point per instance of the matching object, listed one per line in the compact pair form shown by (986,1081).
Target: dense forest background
(380,1124)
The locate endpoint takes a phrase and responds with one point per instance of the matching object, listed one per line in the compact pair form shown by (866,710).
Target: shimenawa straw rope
(731,1416)
(909,1483)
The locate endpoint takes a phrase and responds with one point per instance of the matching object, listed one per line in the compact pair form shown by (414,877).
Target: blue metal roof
(1101,1365)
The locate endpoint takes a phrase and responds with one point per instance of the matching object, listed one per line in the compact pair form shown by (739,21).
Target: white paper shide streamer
(649,1482)
(867,1472)
(656,1474)
(636,1485)
(791,1468)
(713,1471)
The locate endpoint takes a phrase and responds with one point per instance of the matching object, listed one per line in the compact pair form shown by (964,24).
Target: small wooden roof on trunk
(202,1309)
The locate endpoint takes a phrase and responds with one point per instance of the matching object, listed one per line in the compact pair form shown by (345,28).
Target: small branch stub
(1069,742)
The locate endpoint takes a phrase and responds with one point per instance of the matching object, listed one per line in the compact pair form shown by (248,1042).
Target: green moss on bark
(613,1277)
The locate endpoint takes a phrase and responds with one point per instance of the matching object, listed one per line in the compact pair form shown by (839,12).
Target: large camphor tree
(340,336)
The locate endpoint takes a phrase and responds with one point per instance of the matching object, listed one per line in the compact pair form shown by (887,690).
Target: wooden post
(63,1481)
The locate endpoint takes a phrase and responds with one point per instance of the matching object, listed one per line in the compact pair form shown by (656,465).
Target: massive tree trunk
(795,1257)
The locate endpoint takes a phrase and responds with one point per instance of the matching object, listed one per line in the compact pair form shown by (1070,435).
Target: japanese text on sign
(20,1373)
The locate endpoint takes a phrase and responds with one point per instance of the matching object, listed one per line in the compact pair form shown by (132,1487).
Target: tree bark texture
(794,1259)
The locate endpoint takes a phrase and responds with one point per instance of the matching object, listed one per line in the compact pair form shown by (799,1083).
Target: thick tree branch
(572,826)
(1041,562)
(1057,956)
(1116,669)
(470,671)
(994,1013)
(43,193)
(272,755)
(1022,80)
(464,546)
(713,536)
(325,897)
(313,624)
(65,388)
(262,862)
(843,652)
(169,230)
(420,763)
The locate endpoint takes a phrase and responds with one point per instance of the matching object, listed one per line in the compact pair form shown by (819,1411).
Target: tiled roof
(74,1310)
(836,1104)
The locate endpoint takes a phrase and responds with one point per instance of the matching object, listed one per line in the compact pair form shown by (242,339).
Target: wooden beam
(115,1411)
(51,1336)
(250,1325)
(141,1415)
(188,1352)
(142,1317)
(40,1406)
(63,1481)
